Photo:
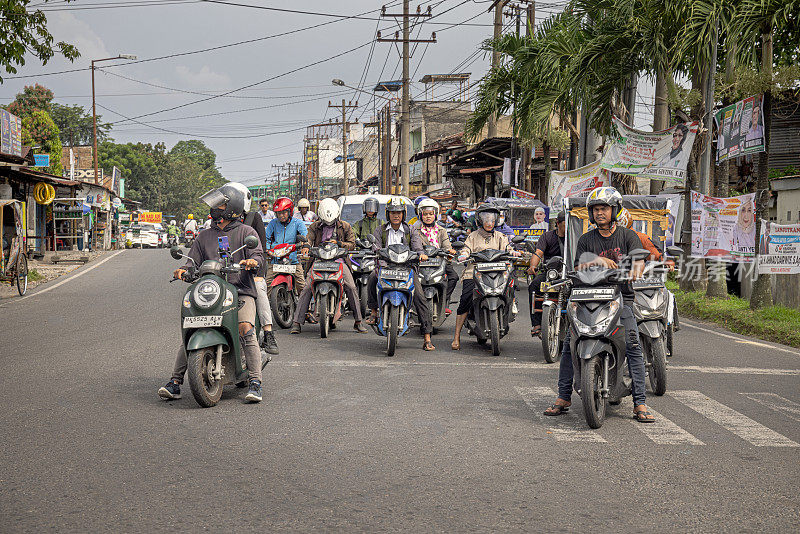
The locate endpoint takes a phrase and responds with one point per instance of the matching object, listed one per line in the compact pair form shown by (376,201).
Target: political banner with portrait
(575,183)
(779,248)
(740,128)
(724,228)
(660,155)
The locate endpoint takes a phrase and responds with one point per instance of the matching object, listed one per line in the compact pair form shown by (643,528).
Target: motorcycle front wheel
(282,304)
(658,369)
(393,330)
(362,297)
(324,315)
(550,335)
(594,404)
(201,363)
(494,331)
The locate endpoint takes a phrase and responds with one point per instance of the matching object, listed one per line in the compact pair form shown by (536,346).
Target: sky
(249,102)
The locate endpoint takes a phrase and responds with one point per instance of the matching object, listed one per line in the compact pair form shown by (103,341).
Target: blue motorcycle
(395,293)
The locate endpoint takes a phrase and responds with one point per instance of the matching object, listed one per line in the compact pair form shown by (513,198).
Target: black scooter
(433,280)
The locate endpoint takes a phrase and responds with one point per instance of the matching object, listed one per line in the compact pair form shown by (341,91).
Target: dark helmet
(486,211)
(370,204)
(604,196)
(233,196)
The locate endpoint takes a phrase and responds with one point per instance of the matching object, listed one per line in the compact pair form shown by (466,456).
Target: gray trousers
(349,288)
(249,342)
(262,302)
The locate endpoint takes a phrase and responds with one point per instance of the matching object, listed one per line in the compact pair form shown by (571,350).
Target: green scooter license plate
(202,321)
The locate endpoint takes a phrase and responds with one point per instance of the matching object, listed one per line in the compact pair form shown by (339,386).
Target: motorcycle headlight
(206,293)
(651,308)
(436,279)
(281,252)
(228,298)
(187,302)
(396,257)
(368,265)
(607,315)
(552,274)
(327,254)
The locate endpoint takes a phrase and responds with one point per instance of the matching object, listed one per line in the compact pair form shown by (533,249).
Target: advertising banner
(150,217)
(741,128)
(519,194)
(660,155)
(779,248)
(724,228)
(10,134)
(575,183)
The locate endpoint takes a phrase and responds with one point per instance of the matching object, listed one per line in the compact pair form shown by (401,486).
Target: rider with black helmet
(367,225)
(605,246)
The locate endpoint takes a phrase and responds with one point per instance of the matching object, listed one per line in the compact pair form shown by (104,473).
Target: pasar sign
(150,217)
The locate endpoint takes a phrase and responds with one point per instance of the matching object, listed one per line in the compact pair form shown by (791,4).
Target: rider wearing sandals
(605,246)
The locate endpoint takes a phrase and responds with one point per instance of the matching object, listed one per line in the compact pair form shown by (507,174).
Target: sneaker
(269,344)
(171,391)
(254,393)
(295,328)
(358,327)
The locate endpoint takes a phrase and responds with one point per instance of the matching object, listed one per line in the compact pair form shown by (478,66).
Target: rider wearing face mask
(285,229)
(431,233)
(227,207)
(330,229)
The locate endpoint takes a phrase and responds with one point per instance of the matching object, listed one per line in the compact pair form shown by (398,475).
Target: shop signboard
(10,134)
(41,160)
(779,248)
(153,217)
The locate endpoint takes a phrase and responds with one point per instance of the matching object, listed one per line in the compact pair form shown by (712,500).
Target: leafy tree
(32,98)
(39,130)
(197,151)
(76,126)
(24,32)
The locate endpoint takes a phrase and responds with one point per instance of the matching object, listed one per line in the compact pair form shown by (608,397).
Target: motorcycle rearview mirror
(638,254)
(251,241)
(458,245)
(175,252)
(555,262)
(674,251)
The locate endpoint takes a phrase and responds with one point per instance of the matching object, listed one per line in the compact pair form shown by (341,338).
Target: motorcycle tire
(494,331)
(658,369)
(393,330)
(594,405)
(207,392)
(362,297)
(282,304)
(670,333)
(550,344)
(324,316)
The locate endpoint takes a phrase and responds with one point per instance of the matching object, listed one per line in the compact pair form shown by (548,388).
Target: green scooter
(210,326)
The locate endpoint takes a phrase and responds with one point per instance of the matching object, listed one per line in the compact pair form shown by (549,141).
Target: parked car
(352,210)
(144,235)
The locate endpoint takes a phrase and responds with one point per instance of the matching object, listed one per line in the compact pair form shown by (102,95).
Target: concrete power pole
(405,118)
(498,6)
(345,106)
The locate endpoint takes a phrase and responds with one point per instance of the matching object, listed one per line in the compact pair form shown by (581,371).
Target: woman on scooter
(431,233)
(484,238)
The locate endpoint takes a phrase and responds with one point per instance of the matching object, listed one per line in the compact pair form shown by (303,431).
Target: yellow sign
(150,217)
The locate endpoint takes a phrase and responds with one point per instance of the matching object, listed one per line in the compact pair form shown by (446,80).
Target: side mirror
(675,251)
(518,239)
(372,239)
(301,238)
(251,241)
(175,252)
(638,254)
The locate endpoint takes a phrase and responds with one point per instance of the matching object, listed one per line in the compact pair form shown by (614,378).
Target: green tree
(32,98)
(23,32)
(76,125)
(198,152)
(40,132)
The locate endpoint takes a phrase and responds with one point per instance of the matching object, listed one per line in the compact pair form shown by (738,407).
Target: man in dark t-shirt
(549,245)
(605,246)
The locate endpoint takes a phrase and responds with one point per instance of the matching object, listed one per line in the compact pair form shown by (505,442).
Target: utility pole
(344,107)
(498,6)
(405,119)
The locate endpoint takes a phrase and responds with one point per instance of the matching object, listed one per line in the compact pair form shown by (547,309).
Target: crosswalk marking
(733,421)
(776,402)
(569,429)
(665,432)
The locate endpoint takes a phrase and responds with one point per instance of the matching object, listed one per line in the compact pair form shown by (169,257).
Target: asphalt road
(347,439)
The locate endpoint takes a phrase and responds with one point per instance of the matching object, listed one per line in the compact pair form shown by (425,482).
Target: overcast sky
(247,143)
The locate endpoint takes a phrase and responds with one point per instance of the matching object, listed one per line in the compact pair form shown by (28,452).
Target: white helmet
(248,196)
(172,222)
(428,203)
(303,203)
(328,210)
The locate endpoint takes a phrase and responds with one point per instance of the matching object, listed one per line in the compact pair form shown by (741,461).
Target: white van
(352,210)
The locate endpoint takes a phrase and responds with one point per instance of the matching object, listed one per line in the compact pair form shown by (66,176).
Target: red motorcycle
(282,296)
(327,279)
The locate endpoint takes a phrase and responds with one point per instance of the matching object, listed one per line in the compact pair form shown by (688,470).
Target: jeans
(533,293)
(304,301)
(249,344)
(633,353)
(419,301)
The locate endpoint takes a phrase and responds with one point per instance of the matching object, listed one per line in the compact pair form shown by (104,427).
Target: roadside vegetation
(771,323)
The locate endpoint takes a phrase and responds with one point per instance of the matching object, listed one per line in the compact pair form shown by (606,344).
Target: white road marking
(536,397)
(776,402)
(733,421)
(80,273)
(740,339)
(384,363)
(665,432)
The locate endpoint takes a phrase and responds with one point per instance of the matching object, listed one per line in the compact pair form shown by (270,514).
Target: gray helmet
(487,210)
(233,196)
(370,204)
